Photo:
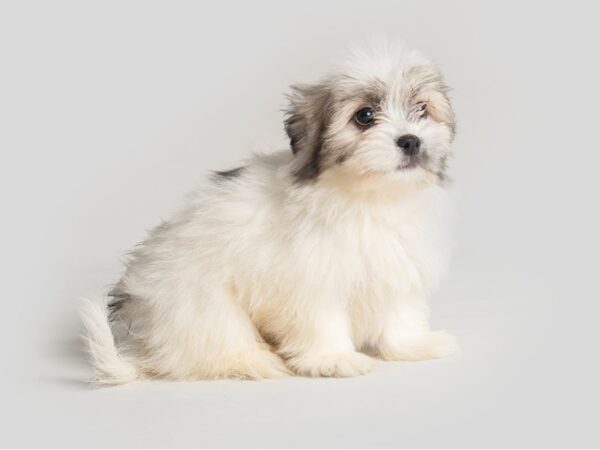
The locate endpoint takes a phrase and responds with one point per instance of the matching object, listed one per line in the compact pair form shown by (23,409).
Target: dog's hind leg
(206,337)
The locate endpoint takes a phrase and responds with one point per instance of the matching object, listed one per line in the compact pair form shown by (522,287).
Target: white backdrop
(111,111)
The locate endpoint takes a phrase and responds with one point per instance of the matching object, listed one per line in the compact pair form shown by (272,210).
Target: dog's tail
(110,366)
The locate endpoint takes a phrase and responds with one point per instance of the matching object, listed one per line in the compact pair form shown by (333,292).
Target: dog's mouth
(411,164)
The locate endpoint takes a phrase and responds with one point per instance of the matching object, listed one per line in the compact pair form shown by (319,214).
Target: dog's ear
(440,107)
(307,116)
(428,86)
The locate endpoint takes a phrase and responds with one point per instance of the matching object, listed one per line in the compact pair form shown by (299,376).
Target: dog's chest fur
(321,247)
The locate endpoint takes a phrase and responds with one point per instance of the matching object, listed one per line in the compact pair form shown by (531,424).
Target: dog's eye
(421,110)
(365,117)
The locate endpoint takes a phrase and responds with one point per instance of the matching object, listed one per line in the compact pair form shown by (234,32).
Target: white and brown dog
(310,261)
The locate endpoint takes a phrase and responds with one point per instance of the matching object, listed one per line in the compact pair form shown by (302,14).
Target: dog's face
(387,117)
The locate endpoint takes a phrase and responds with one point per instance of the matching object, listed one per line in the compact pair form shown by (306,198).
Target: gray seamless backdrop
(111,111)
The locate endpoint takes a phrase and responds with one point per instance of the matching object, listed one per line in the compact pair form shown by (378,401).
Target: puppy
(310,261)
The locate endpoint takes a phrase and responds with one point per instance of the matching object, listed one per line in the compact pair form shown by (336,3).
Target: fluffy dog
(310,261)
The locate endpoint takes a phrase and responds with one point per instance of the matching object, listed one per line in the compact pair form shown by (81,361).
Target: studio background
(110,112)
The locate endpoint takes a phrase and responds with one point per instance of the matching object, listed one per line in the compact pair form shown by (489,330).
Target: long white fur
(111,367)
(260,275)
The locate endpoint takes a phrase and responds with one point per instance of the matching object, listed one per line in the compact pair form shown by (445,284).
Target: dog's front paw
(431,345)
(342,364)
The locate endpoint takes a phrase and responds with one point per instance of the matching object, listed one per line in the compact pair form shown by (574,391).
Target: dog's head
(385,115)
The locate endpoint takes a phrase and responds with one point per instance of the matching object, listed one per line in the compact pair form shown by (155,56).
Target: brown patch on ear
(306,121)
(427,85)
(439,107)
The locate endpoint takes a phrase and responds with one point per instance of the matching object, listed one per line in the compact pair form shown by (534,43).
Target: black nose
(409,143)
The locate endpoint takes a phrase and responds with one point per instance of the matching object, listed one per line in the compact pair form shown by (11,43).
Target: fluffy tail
(111,367)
